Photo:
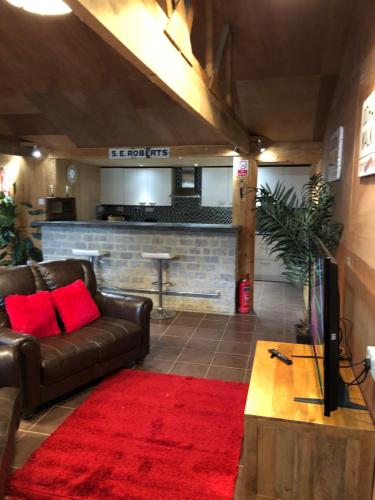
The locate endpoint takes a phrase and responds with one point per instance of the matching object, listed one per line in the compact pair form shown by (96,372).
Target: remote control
(281,357)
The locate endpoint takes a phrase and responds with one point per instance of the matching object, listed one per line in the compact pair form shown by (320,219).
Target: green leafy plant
(16,247)
(289,224)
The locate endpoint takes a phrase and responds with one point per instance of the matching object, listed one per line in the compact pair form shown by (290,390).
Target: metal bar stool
(94,256)
(160,312)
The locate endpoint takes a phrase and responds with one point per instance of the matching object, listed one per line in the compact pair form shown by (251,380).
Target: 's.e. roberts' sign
(241,167)
(366,164)
(141,153)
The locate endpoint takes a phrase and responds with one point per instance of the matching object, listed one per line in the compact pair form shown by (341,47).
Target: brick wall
(206,260)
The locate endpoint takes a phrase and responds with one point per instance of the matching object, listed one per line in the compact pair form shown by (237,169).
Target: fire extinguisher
(244,295)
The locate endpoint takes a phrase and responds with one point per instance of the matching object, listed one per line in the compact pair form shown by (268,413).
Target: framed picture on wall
(335,155)
(366,161)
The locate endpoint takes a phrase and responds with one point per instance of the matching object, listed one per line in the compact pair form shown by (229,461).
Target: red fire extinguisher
(245,295)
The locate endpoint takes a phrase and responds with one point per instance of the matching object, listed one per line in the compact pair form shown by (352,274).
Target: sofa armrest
(30,362)
(130,307)
(10,366)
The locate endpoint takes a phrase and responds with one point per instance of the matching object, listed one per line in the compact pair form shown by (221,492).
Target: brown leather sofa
(10,409)
(53,366)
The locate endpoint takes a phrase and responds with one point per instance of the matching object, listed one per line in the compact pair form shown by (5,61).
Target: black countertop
(163,226)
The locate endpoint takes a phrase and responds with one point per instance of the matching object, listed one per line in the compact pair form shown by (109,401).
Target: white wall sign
(156,152)
(335,155)
(366,164)
(241,167)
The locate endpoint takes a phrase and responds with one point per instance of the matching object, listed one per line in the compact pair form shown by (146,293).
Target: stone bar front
(203,274)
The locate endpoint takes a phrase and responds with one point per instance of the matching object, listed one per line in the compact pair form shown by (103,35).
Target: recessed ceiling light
(180,157)
(36,152)
(43,7)
(196,164)
(141,164)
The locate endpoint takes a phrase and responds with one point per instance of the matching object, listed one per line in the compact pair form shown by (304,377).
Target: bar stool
(160,312)
(94,256)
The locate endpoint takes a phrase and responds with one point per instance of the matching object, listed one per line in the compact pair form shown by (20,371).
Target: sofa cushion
(65,355)
(60,273)
(75,305)
(33,314)
(99,341)
(112,336)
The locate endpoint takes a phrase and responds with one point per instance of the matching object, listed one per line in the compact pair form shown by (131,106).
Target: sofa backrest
(21,280)
(58,273)
(25,280)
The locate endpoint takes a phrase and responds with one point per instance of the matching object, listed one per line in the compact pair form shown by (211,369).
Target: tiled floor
(202,345)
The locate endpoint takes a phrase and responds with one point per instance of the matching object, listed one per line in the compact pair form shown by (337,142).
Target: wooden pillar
(244,216)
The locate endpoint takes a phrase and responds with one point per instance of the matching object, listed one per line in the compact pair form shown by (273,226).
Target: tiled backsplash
(183,209)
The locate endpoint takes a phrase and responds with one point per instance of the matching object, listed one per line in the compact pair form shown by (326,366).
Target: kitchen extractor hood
(185,183)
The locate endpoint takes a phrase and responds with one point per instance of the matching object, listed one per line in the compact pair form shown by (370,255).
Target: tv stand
(343,398)
(291,450)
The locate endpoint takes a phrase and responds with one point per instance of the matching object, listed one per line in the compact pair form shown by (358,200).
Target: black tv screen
(324,324)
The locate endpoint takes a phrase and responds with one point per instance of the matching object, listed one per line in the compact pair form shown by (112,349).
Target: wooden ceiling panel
(287,38)
(111,118)
(280,108)
(26,124)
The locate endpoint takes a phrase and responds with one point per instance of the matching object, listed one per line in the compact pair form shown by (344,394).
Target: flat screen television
(324,326)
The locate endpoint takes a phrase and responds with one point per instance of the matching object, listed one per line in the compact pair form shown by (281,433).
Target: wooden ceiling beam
(131,29)
(297,153)
(175,152)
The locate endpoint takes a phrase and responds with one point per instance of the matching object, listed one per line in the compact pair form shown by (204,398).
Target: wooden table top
(274,385)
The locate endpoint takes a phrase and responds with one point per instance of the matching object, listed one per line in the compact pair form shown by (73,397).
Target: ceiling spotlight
(180,157)
(196,164)
(36,152)
(43,7)
(141,164)
(262,149)
(236,149)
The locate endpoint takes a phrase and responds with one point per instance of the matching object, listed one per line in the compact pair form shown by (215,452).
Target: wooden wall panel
(356,196)
(86,190)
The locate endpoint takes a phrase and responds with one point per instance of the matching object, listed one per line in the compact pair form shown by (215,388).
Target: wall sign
(335,155)
(155,152)
(241,167)
(366,164)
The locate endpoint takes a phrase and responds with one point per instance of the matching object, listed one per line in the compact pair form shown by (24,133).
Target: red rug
(142,436)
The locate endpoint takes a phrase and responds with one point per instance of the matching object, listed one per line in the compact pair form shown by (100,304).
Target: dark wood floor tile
(155,365)
(233,347)
(227,374)
(27,424)
(238,336)
(208,333)
(191,314)
(202,344)
(26,444)
(168,353)
(229,360)
(217,317)
(52,419)
(214,324)
(170,341)
(179,331)
(157,329)
(187,321)
(196,356)
(241,327)
(189,369)
(243,318)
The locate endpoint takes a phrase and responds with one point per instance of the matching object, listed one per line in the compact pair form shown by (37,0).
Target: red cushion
(75,305)
(32,314)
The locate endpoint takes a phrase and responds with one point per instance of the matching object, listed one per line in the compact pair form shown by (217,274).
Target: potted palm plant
(16,246)
(290,222)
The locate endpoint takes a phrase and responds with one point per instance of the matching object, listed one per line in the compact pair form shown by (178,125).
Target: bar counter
(203,274)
